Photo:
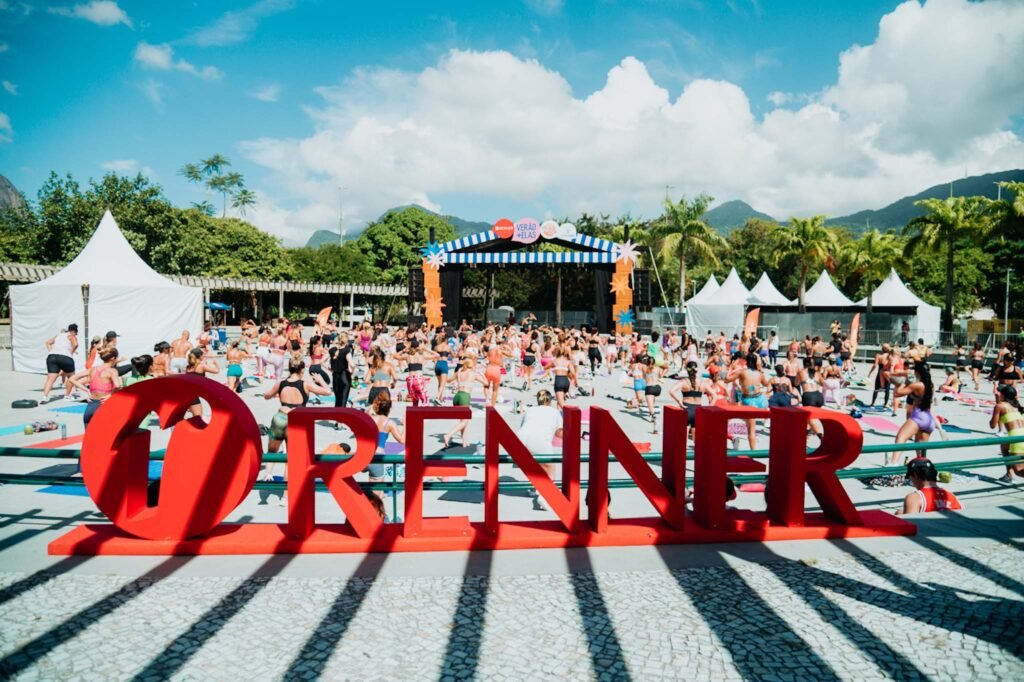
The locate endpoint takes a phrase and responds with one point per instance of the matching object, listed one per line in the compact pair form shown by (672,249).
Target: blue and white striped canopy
(530,257)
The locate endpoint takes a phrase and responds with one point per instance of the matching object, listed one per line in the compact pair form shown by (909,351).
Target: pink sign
(527,230)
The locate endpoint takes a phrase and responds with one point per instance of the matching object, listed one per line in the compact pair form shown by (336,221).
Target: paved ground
(947,604)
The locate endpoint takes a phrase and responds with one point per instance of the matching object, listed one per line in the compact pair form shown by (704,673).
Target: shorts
(415,383)
(639,385)
(977,364)
(59,363)
(440,368)
(845,355)
(594,354)
(235,371)
(296,345)
(653,390)
(812,399)
(1016,448)
(263,352)
(493,374)
(561,384)
(691,414)
(462,398)
(758,401)
(179,365)
(924,420)
(818,362)
(376,391)
(528,360)
(279,427)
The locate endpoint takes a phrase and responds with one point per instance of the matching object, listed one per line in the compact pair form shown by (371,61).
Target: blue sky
(491,109)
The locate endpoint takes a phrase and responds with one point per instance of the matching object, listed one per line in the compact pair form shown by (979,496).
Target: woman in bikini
(752,384)
(443,353)
(977,364)
(564,371)
(636,373)
(492,374)
(199,365)
(920,421)
(1007,414)
(104,379)
(292,392)
(652,389)
(234,359)
(530,352)
(415,382)
(896,374)
(161,360)
(832,382)
(278,352)
(318,358)
(880,368)
(689,394)
(380,413)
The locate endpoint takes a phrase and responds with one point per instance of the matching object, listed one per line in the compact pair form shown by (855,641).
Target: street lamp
(341,216)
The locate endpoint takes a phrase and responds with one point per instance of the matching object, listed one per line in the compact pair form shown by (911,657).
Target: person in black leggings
(341,369)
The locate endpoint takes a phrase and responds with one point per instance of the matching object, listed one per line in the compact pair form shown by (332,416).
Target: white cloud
(509,131)
(129,167)
(99,12)
(10,87)
(161,58)
(153,91)
(267,93)
(6,130)
(236,27)
(545,6)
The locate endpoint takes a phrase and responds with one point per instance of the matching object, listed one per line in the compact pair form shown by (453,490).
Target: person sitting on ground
(929,496)
(1008,414)
(952,382)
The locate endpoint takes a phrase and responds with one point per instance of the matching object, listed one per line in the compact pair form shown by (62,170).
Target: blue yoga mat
(74,409)
(75,490)
(11,430)
(950,428)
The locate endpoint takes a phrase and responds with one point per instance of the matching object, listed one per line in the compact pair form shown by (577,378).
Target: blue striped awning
(584,240)
(530,257)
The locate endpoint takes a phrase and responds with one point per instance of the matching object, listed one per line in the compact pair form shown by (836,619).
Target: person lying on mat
(929,496)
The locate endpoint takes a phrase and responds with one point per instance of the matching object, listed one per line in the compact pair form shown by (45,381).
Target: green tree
(806,243)
(1004,245)
(869,259)
(685,235)
(973,274)
(948,222)
(750,249)
(392,243)
(330,263)
(243,198)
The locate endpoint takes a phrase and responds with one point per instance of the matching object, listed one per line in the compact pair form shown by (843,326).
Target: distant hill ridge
(462,227)
(733,214)
(10,197)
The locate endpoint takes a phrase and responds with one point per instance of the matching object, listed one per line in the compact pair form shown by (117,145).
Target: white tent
(825,294)
(124,295)
(893,293)
(721,309)
(765,293)
(706,292)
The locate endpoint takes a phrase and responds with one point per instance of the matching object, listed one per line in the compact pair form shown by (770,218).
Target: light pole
(999,190)
(1006,303)
(341,216)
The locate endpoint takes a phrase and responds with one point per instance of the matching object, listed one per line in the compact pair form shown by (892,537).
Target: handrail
(554,458)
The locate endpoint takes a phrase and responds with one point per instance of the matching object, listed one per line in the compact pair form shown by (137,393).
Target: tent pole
(280,301)
(85,316)
(664,298)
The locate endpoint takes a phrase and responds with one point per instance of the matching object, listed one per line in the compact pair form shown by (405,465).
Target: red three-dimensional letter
(712,463)
(790,466)
(607,437)
(304,469)
(208,470)
(565,502)
(416,469)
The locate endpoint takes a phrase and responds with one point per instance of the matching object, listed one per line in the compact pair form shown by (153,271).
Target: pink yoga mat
(880,423)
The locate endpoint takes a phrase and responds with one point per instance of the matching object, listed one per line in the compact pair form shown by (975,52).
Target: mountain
(10,197)
(462,227)
(899,213)
(733,214)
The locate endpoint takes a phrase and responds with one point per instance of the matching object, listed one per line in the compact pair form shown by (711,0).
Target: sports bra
(97,385)
(415,366)
(1010,416)
(693,394)
(299,385)
(380,375)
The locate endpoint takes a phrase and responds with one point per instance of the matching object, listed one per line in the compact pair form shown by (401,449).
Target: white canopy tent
(894,293)
(706,292)
(825,294)
(124,295)
(764,293)
(721,310)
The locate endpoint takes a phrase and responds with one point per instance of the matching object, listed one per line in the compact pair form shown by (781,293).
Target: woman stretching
(292,392)
(197,364)
(920,422)
(380,375)
(752,383)
(234,358)
(492,374)
(564,371)
(463,381)
(415,382)
(1007,413)
(441,365)
(977,364)
(652,388)
(317,358)
(380,412)
(103,381)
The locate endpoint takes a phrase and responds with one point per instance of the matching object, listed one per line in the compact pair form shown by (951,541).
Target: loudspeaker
(642,289)
(416,284)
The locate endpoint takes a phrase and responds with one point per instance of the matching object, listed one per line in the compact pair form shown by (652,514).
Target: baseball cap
(112,335)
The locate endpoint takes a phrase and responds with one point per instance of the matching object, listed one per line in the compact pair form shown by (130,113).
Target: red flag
(750,326)
(324,315)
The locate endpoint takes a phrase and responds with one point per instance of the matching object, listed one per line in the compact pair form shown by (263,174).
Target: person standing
(773,348)
(60,359)
(341,369)
(179,353)
(1007,413)
(541,424)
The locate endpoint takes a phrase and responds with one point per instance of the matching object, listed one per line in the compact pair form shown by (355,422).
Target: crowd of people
(377,366)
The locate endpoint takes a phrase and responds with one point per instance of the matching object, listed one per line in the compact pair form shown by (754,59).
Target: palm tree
(807,243)
(204,207)
(225,184)
(191,172)
(685,234)
(947,222)
(214,164)
(242,199)
(872,257)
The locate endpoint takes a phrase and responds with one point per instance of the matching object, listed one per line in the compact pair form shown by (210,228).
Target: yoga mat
(752,487)
(73,409)
(880,423)
(953,428)
(11,430)
(59,443)
(74,490)
(393,448)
